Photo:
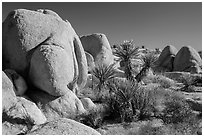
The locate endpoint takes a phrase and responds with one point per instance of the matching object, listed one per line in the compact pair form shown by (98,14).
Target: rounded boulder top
(187,59)
(50,12)
(98,46)
(166,57)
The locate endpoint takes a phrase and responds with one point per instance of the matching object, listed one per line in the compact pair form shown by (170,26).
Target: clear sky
(152,24)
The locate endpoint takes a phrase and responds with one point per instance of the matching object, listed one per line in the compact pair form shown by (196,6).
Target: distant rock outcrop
(166,58)
(98,46)
(187,60)
(40,46)
(64,126)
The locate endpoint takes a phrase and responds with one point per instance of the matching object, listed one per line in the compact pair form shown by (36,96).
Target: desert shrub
(189,126)
(92,118)
(176,110)
(130,102)
(120,101)
(188,82)
(104,74)
(144,102)
(160,79)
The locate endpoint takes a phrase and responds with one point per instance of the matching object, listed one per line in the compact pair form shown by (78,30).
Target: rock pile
(186,59)
(44,66)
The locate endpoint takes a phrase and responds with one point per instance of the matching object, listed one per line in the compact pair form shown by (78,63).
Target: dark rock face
(188,60)
(166,58)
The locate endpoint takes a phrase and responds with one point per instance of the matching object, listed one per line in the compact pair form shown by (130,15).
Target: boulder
(90,61)
(66,106)
(88,104)
(188,60)
(19,83)
(45,49)
(25,110)
(98,46)
(166,58)
(9,128)
(32,111)
(64,126)
(49,12)
(21,117)
(8,94)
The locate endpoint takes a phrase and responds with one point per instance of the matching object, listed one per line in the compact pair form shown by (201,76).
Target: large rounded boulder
(166,58)
(188,60)
(43,48)
(64,126)
(98,46)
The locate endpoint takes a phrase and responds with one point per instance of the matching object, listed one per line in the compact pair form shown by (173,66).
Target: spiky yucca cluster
(103,74)
(126,52)
(148,60)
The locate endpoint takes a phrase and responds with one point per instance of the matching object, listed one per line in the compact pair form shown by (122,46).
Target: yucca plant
(126,52)
(122,95)
(103,74)
(148,62)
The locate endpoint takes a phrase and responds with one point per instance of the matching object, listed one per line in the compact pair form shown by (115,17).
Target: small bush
(149,61)
(176,110)
(103,74)
(92,118)
(160,79)
(120,101)
(130,102)
(144,102)
(188,82)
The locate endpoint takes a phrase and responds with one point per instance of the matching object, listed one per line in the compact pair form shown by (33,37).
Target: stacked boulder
(98,46)
(186,59)
(43,49)
(18,112)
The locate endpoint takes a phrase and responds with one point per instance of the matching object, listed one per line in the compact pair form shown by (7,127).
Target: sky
(152,24)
